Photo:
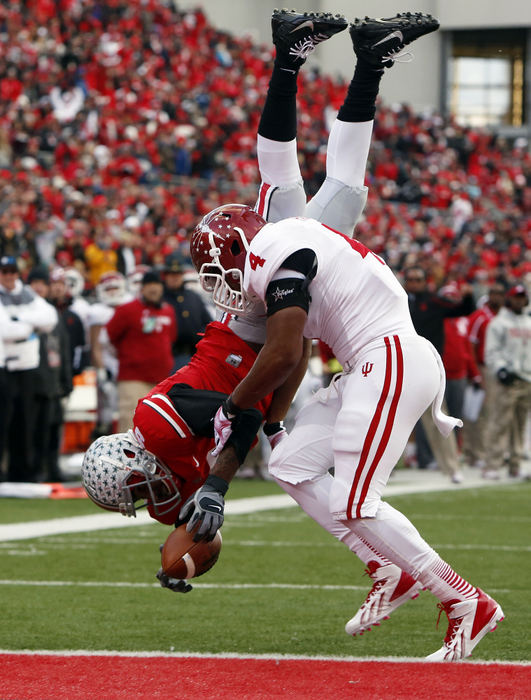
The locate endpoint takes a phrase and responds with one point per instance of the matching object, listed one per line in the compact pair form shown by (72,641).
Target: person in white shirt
(28,314)
(508,359)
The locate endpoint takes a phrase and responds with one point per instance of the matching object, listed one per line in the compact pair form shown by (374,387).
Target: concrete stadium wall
(418,83)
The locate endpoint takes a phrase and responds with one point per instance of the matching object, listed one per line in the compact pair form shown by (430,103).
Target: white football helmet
(114,464)
(111,289)
(75,283)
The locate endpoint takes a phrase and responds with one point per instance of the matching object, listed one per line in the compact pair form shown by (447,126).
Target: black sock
(279,115)
(360,101)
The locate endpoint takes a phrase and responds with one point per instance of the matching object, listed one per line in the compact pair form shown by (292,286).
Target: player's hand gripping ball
(183,558)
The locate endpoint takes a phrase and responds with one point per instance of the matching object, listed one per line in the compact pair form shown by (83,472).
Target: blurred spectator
(508,358)
(474,432)
(428,312)
(159,124)
(53,382)
(458,360)
(191,312)
(75,285)
(32,315)
(100,257)
(13,331)
(130,251)
(111,291)
(59,297)
(143,332)
(459,364)
(134,280)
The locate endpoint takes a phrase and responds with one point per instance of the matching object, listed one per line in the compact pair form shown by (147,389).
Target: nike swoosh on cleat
(394,35)
(308,23)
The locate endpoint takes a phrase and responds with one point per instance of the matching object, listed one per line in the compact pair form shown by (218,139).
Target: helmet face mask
(111,289)
(219,247)
(117,472)
(74,282)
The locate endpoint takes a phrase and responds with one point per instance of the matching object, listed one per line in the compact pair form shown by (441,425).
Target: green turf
(18,510)
(483,533)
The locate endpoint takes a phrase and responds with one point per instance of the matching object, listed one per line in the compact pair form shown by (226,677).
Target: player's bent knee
(283,202)
(337,205)
(285,463)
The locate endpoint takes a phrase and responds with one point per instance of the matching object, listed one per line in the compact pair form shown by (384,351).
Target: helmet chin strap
(244,239)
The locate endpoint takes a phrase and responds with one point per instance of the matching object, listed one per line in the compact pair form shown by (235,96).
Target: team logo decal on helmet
(116,469)
(219,247)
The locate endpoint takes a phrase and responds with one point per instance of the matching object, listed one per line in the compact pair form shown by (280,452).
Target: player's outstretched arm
(284,395)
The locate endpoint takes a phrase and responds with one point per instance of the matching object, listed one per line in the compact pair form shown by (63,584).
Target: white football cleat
(469,621)
(390,589)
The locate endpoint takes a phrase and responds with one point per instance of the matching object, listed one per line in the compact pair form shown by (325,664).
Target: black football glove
(177,585)
(206,508)
(505,377)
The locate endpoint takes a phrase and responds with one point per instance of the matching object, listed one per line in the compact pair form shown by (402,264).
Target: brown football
(181,557)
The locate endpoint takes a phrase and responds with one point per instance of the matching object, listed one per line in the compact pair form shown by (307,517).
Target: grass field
(282,585)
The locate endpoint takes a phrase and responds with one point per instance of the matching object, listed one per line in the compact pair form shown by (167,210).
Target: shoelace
(397,56)
(375,586)
(304,47)
(453,623)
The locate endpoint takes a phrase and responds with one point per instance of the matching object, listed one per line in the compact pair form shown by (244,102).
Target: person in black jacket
(53,382)
(428,312)
(58,296)
(191,312)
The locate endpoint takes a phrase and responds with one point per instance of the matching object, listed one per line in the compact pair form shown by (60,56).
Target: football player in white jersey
(311,280)
(111,291)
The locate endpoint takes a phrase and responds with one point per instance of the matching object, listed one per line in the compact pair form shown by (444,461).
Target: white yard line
(109,521)
(232,655)
(216,586)
(401,484)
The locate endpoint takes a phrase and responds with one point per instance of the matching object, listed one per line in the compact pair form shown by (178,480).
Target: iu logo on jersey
(255,261)
(367,368)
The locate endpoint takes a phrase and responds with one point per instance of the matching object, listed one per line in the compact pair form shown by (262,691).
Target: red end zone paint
(38,677)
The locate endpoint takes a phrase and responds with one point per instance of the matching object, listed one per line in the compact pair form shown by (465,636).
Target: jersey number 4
(358,247)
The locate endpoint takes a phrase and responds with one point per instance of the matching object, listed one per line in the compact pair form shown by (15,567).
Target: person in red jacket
(143,332)
(459,363)
(474,432)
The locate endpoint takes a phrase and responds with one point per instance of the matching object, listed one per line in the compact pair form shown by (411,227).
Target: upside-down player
(313,281)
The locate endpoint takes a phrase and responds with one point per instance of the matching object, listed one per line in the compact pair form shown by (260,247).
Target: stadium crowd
(135,109)
(122,123)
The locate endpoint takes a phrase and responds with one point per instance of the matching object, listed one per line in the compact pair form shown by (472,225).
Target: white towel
(445,424)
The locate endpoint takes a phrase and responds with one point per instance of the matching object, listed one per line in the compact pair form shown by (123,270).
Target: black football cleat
(296,34)
(381,41)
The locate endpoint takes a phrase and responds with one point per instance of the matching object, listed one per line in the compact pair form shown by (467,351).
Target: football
(181,557)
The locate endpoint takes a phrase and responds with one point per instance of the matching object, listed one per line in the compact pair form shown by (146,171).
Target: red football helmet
(218,247)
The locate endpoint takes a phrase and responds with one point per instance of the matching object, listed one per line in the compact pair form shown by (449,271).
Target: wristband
(217,483)
(230,408)
(272,428)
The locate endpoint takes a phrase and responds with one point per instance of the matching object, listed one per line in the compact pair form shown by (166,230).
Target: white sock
(348,150)
(396,538)
(278,162)
(313,498)
(445,583)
